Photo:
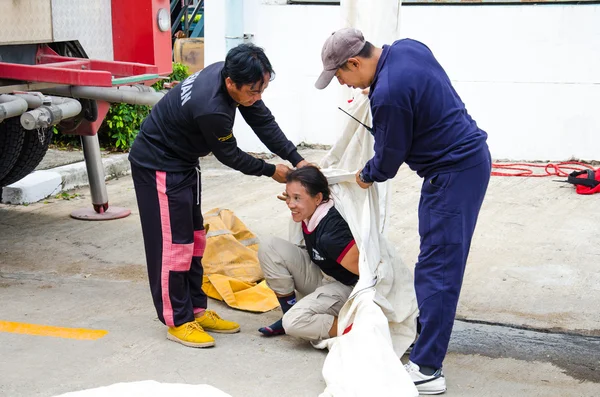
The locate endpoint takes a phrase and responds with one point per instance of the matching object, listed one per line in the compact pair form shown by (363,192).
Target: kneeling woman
(324,272)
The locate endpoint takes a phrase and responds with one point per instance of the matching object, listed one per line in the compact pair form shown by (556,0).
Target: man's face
(247,94)
(352,75)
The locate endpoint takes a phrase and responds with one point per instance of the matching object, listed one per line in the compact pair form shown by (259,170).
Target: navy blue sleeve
(262,122)
(393,133)
(218,132)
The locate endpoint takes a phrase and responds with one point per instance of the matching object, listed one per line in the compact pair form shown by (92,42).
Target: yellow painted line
(49,330)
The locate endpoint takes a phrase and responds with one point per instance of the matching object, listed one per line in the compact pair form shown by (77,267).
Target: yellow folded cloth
(231,267)
(238,294)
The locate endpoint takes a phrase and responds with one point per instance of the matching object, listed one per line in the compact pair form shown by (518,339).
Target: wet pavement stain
(578,356)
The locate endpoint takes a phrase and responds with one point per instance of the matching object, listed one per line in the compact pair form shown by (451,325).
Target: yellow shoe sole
(223,331)
(189,344)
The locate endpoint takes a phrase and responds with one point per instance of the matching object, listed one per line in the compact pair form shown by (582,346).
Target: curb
(40,184)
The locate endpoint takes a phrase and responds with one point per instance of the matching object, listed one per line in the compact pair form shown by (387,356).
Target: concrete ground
(56,158)
(529,323)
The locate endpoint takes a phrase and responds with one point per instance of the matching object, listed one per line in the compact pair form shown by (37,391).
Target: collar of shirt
(320,212)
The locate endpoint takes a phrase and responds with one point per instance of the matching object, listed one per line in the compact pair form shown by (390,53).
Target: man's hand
(361,183)
(303,163)
(281,171)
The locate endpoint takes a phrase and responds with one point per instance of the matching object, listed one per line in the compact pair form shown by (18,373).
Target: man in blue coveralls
(419,119)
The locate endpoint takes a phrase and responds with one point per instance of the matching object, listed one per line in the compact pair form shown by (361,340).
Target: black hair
(366,52)
(247,64)
(312,179)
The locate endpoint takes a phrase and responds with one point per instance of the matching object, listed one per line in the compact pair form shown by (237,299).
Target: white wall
(529,75)
(292,36)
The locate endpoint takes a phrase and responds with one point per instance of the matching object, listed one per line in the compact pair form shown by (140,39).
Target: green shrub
(64,141)
(121,125)
(180,72)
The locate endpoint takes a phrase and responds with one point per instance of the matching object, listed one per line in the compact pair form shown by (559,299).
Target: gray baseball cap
(338,48)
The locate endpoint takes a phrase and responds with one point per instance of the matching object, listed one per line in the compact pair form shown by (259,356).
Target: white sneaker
(426,384)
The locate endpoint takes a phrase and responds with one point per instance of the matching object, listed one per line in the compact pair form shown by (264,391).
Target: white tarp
(382,308)
(149,388)
(378,20)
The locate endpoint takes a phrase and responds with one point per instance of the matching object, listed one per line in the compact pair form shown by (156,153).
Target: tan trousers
(288,268)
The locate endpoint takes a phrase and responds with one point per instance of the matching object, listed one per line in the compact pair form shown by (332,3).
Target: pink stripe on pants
(199,242)
(175,257)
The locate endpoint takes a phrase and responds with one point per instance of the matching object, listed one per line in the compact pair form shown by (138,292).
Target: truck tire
(35,145)
(11,142)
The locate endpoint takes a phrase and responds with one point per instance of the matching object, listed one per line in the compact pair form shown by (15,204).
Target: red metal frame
(136,35)
(139,49)
(53,68)
(91,127)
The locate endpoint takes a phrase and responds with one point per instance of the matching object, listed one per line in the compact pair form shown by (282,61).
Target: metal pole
(49,115)
(11,106)
(234,23)
(135,95)
(95,171)
(186,23)
(93,158)
(96,177)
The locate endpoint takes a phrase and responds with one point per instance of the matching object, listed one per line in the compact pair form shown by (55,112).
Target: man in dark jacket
(191,121)
(419,119)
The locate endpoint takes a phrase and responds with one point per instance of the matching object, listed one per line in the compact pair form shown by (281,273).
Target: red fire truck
(61,63)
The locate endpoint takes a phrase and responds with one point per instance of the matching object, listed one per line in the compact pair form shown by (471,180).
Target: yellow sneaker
(190,334)
(211,322)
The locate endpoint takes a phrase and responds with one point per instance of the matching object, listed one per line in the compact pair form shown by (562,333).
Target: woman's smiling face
(300,202)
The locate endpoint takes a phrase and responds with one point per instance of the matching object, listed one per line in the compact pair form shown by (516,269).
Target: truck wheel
(11,142)
(35,145)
